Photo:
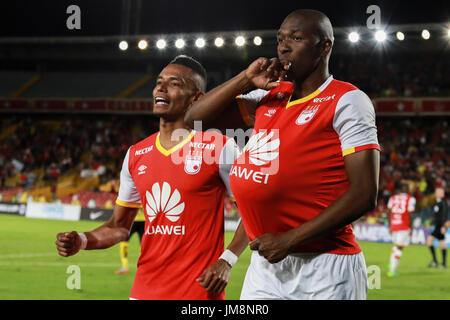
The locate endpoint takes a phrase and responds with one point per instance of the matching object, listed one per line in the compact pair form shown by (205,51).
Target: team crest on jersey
(192,164)
(306,115)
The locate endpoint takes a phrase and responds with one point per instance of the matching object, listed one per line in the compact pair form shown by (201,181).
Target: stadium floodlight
(123,45)
(180,43)
(353,37)
(142,44)
(448,32)
(219,42)
(426,34)
(200,43)
(161,44)
(400,36)
(240,41)
(380,36)
(257,41)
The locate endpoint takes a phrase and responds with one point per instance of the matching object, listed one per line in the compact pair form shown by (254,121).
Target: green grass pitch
(30,268)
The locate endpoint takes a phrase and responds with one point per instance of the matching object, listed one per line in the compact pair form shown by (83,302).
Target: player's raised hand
(273,247)
(264,73)
(68,243)
(215,277)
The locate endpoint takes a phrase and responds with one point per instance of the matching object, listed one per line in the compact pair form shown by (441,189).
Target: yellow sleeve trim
(360,148)
(128,204)
(348,151)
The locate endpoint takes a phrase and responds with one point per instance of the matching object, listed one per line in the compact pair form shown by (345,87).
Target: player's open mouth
(162,102)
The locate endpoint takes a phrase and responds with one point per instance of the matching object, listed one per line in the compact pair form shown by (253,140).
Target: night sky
(48,18)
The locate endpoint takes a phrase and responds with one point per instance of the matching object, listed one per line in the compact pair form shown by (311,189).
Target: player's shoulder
(348,92)
(343,86)
(280,94)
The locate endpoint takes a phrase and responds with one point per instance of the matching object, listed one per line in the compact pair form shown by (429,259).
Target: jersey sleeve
(412,204)
(354,122)
(248,103)
(128,193)
(228,155)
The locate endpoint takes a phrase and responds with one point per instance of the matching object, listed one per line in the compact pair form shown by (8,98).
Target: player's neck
(167,137)
(305,86)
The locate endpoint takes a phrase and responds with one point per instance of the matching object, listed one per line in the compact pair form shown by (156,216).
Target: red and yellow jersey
(401,206)
(182,192)
(292,168)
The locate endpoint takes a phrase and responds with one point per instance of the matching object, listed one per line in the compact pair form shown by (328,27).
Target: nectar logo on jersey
(163,200)
(143,151)
(318,100)
(200,145)
(306,115)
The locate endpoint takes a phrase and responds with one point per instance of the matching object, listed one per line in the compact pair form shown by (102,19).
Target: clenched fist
(68,243)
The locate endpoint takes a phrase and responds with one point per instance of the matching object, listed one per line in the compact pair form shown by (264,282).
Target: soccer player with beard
(180,177)
(309,170)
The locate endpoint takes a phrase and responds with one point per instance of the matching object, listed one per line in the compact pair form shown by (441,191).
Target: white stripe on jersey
(230,152)
(354,120)
(127,190)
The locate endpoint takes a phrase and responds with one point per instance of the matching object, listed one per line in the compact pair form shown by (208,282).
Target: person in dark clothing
(440,222)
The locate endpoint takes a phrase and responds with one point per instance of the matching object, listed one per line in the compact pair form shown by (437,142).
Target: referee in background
(440,223)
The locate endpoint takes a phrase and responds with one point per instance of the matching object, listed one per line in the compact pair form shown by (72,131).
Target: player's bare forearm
(115,230)
(216,276)
(363,171)
(239,241)
(262,73)
(212,104)
(105,236)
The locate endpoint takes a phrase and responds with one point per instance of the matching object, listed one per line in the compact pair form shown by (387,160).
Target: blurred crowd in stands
(378,75)
(396,75)
(37,151)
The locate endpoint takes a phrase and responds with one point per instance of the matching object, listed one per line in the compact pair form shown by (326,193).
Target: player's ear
(194,98)
(326,47)
(197,95)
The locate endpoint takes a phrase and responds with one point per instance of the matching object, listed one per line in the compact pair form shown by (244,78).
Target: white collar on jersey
(326,83)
